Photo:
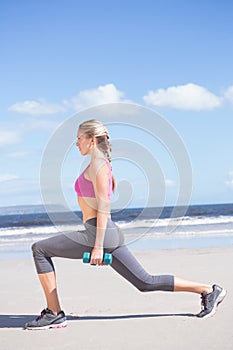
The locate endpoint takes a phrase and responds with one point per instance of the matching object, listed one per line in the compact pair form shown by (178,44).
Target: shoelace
(205,302)
(43,312)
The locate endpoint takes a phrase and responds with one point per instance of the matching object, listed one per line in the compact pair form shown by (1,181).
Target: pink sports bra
(85,188)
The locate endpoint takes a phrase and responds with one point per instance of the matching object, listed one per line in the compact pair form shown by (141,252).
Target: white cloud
(14,136)
(18,154)
(229,94)
(36,107)
(169,183)
(229,182)
(186,97)
(87,98)
(8,177)
(103,94)
(9,137)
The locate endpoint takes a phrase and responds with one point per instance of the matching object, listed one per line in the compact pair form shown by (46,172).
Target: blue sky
(173,57)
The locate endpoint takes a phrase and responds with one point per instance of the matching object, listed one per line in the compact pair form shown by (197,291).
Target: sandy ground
(105,312)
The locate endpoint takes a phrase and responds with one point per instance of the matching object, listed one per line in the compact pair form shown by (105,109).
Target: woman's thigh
(62,245)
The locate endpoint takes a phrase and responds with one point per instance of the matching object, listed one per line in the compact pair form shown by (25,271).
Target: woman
(94,188)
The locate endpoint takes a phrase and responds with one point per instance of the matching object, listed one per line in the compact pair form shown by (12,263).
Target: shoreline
(23,251)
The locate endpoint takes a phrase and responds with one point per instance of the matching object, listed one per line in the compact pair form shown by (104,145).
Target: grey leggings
(73,244)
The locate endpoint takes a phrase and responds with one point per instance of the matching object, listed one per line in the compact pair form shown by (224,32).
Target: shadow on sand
(18,321)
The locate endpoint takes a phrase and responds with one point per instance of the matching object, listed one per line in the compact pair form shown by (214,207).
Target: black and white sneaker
(211,301)
(47,320)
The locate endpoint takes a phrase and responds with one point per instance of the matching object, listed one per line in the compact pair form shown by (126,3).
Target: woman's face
(83,143)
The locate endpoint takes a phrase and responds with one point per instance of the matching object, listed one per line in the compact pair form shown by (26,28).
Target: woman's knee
(36,249)
(42,261)
(142,288)
(156,283)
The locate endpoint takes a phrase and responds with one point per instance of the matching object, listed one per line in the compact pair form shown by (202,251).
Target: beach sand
(105,312)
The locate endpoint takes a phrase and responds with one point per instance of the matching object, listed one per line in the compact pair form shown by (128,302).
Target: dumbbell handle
(106,260)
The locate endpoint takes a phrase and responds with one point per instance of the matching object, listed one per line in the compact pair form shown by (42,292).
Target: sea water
(144,228)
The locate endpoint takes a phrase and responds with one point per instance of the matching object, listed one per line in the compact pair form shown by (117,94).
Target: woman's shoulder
(99,163)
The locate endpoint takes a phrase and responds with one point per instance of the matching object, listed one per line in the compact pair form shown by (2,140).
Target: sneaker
(211,301)
(47,320)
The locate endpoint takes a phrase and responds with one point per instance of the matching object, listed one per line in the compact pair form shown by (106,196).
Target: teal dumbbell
(107,260)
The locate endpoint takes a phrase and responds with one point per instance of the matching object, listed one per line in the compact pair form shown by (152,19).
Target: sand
(105,312)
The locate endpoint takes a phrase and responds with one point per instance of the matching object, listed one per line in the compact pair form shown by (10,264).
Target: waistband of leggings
(93,222)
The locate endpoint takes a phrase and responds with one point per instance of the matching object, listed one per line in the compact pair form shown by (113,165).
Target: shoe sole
(217,302)
(54,326)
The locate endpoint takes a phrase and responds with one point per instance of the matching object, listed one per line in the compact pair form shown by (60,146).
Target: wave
(188,226)
(26,234)
(180,221)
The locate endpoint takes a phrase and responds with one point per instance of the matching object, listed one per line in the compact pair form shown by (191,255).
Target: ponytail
(94,128)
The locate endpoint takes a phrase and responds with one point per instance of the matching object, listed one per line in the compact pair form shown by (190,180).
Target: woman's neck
(96,153)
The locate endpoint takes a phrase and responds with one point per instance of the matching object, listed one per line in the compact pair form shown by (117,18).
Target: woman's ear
(93,141)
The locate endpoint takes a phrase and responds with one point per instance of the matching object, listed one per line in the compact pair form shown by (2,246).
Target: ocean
(144,228)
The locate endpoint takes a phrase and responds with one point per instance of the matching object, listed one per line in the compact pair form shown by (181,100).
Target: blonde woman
(94,188)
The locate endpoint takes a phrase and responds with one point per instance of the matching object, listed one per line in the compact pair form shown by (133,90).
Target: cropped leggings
(72,245)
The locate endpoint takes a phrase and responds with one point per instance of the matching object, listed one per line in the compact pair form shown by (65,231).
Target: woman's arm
(101,186)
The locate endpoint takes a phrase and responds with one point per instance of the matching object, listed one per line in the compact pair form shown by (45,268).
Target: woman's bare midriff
(88,207)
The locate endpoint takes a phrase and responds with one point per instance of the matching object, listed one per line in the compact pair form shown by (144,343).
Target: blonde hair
(94,128)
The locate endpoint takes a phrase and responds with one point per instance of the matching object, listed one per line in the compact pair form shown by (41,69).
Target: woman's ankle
(55,312)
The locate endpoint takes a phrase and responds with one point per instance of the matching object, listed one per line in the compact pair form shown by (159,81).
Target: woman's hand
(97,255)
